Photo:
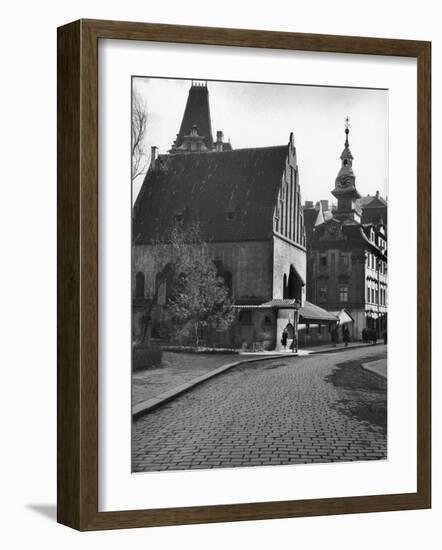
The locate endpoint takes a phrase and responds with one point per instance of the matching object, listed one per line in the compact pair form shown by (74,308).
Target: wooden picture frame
(77,460)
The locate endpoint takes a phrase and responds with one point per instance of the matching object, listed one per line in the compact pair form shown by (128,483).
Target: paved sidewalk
(177,369)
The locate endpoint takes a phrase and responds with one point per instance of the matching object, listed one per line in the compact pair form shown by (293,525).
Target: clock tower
(345,185)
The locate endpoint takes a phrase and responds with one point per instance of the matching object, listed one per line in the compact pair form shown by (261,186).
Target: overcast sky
(259,115)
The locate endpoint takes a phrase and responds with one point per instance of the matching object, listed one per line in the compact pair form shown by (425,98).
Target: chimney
(324,204)
(377,194)
(219,140)
(153,156)
(308,204)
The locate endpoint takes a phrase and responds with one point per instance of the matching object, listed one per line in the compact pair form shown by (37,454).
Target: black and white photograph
(259,274)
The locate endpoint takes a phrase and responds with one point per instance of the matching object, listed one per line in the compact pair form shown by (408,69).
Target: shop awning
(307,313)
(313,313)
(343,316)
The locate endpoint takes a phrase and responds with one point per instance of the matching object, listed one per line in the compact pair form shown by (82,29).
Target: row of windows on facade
(374,263)
(345,260)
(374,294)
(343,293)
(378,239)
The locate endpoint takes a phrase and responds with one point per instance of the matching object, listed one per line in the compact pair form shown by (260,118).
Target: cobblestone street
(320,408)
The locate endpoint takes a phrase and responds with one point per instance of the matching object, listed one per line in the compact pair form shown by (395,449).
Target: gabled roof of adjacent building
(231,194)
(369,201)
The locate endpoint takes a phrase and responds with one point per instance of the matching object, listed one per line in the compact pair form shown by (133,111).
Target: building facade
(347,254)
(247,204)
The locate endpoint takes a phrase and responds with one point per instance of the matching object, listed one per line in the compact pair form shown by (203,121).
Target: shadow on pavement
(364,395)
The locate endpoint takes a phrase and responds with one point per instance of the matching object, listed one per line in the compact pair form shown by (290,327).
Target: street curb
(154,402)
(367,367)
(336,349)
(149,404)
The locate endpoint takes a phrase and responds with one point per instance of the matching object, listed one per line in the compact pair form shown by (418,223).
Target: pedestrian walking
(284,338)
(294,344)
(346,336)
(365,336)
(374,337)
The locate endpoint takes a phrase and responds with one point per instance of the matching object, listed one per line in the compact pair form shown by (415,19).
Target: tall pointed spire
(345,184)
(196,126)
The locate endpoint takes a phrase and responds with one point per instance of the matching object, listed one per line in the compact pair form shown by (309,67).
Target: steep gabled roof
(372,202)
(231,194)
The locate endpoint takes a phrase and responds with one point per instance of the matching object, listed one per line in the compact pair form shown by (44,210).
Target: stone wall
(249,262)
(286,254)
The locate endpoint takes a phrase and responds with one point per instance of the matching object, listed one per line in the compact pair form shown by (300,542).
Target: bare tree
(139,127)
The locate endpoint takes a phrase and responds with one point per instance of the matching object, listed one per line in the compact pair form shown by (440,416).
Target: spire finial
(347,129)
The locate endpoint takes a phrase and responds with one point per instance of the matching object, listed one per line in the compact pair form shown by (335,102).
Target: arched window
(284,286)
(295,284)
(139,285)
